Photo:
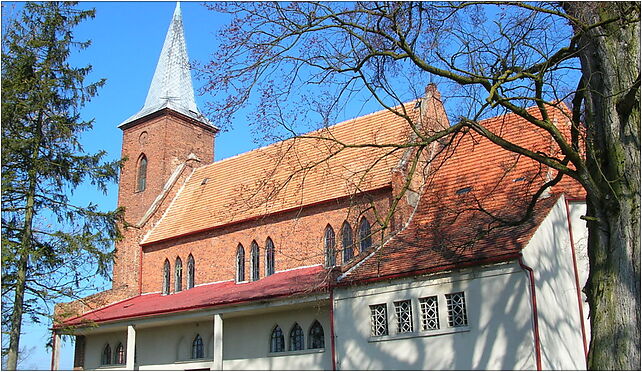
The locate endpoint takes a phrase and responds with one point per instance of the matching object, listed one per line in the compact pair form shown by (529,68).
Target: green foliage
(59,243)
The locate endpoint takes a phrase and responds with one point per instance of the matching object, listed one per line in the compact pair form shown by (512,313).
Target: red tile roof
(449,228)
(287,283)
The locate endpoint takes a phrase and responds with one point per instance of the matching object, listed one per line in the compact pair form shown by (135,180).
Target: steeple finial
(171,85)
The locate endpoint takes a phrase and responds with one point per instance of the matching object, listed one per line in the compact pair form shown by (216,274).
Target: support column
(131,347)
(55,352)
(217,363)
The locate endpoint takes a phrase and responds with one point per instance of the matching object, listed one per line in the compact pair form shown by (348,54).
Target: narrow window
(269,257)
(316,340)
(141,177)
(378,320)
(346,240)
(277,341)
(190,272)
(365,238)
(240,264)
(197,347)
(106,357)
(429,313)
(296,338)
(166,270)
(178,275)
(403,311)
(254,258)
(329,243)
(120,354)
(456,309)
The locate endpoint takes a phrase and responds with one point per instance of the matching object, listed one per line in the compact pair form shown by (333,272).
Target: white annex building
(372,259)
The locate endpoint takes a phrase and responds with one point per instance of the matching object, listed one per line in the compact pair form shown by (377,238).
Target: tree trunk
(610,63)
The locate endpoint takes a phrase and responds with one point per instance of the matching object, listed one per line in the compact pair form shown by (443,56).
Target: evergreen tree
(49,245)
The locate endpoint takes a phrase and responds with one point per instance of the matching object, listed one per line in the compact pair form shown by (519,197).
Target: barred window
(269,257)
(456,309)
(329,243)
(296,338)
(316,339)
(365,235)
(277,341)
(190,272)
(347,243)
(120,354)
(166,270)
(178,275)
(254,260)
(403,311)
(197,348)
(240,263)
(106,357)
(378,320)
(429,313)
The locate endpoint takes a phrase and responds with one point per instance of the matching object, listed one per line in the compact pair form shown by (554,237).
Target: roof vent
(464,190)
(204,181)
(418,104)
(520,179)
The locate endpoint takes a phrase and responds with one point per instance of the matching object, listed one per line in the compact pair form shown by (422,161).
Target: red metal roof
(287,283)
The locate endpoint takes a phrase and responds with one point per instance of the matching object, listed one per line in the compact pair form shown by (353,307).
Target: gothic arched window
(329,244)
(346,240)
(141,174)
(254,261)
(269,257)
(190,272)
(106,357)
(296,338)
(316,339)
(277,341)
(240,263)
(197,348)
(120,354)
(178,275)
(365,236)
(166,270)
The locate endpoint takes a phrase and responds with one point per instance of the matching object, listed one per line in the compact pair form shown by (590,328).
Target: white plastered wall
(580,237)
(549,255)
(498,336)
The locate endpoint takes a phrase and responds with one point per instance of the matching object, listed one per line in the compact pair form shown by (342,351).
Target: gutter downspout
(332,346)
(577,278)
(531,277)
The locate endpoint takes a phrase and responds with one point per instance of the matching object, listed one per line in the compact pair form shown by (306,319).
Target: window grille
(120,354)
(365,235)
(378,320)
(178,275)
(347,243)
(329,244)
(190,272)
(106,357)
(269,257)
(141,178)
(197,348)
(240,263)
(403,311)
(456,309)
(277,341)
(166,270)
(254,256)
(316,339)
(429,313)
(296,338)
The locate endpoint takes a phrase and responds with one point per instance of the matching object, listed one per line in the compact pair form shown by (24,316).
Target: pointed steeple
(171,86)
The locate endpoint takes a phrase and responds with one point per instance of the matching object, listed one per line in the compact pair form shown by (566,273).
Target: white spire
(171,86)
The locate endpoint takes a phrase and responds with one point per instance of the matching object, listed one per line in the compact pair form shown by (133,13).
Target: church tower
(166,133)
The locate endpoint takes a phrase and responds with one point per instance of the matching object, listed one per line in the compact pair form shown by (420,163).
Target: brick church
(331,250)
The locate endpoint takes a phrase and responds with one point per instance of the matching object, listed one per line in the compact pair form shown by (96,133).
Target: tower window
(365,235)
(296,338)
(240,264)
(178,275)
(329,243)
(316,340)
(277,341)
(166,270)
(141,177)
(190,272)
(197,348)
(269,257)
(254,260)
(346,240)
